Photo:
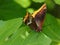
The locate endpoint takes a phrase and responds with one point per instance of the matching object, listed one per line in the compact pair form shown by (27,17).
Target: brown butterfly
(35,21)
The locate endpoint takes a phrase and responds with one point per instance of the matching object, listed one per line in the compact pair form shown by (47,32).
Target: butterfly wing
(39,17)
(35,21)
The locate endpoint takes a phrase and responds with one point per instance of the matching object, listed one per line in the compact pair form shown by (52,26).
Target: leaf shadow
(9,9)
(55,11)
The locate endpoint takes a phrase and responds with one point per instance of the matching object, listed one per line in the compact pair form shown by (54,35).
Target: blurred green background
(14,32)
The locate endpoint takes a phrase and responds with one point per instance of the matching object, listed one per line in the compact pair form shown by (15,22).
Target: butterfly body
(35,21)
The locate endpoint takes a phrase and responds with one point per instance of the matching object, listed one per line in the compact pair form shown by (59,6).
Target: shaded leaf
(55,43)
(10,9)
(50,4)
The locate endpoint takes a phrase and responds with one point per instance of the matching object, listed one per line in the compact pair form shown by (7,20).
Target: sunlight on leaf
(39,1)
(23,3)
(10,27)
(30,10)
(57,1)
(27,34)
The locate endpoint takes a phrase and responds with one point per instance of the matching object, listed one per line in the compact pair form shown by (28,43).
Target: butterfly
(35,21)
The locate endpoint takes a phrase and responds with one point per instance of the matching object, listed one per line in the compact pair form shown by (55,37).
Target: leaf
(20,38)
(11,10)
(30,10)
(55,43)
(52,28)
(13,35)
(58,20)
(50,4)
(14,32)
(8,29)
(40,1)
(57,2)
(23,3)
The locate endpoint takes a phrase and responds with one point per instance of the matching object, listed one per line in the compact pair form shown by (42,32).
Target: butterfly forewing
(35,21)
(40,16)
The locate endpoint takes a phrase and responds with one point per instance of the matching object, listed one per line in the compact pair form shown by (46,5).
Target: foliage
(14,32)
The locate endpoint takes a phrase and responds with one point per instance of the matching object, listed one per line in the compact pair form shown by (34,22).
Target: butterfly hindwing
(39,19)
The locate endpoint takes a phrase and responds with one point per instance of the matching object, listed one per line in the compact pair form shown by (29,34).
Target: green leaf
(58,20)
(52,28)
(50,4)
(57,1)
(55,43)
(30,10)
(32,39)
(39,1)
(8,29)
(10,9)
(23,3)
(14,32)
